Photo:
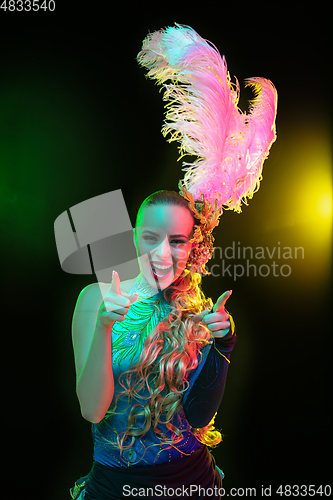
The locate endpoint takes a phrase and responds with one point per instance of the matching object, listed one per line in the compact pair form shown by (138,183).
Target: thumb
(221,301)
(115,285)
(198,317)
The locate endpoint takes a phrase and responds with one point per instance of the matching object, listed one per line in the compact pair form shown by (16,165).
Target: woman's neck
(144,288)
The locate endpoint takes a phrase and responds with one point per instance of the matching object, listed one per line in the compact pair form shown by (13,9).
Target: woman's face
(162,243)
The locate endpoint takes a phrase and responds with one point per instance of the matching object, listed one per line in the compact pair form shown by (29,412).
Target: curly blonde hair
(170,352)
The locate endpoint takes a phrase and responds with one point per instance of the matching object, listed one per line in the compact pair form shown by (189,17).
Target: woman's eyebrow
(178,236)
(150,232)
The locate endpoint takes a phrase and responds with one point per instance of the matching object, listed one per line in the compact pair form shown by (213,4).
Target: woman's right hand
(115,304)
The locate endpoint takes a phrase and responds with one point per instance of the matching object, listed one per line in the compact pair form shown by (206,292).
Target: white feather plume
(202,114)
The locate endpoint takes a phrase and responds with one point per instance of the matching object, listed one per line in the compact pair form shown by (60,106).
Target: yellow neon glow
(324,205)
(305,214)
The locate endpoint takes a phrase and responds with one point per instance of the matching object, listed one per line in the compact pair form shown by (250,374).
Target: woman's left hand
(217,320)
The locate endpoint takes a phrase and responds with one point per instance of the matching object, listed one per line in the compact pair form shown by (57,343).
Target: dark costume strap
(189,476)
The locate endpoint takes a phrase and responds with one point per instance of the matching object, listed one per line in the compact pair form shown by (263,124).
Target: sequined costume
(200,401)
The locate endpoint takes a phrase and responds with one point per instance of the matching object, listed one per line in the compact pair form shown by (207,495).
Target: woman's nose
(163,250)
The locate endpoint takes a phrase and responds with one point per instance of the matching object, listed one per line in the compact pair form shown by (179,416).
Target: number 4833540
(304,490)
(26,5)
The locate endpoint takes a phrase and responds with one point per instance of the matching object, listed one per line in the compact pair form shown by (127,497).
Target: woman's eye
(178,242)
(149,238)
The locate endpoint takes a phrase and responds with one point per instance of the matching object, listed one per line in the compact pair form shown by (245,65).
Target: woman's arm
(93,360)
(94,316)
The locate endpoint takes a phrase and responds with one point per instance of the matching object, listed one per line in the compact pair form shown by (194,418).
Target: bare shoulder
(91,296)
(85,317)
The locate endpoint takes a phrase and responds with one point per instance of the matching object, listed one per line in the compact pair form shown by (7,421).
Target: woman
(149,374)
(151,361)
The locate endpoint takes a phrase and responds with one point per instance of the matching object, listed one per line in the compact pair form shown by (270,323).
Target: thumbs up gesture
(115,304)
(217,320)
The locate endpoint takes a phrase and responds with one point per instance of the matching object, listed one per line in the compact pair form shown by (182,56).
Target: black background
(78,119)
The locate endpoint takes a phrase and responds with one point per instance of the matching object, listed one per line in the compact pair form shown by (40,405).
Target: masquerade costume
(230,147)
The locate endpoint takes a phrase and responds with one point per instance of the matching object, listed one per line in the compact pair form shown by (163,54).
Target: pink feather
(202,114)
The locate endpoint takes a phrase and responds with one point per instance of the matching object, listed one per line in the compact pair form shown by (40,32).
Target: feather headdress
(202,114)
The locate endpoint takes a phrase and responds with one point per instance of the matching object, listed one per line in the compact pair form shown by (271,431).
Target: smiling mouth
(159,271)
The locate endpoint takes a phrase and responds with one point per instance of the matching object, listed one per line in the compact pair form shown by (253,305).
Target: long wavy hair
(157,382)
